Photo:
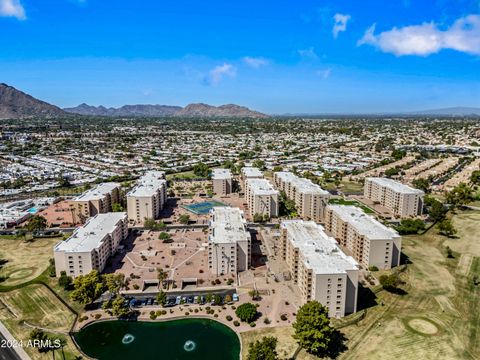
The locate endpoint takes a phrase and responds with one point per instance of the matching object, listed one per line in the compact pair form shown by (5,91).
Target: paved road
(7,353)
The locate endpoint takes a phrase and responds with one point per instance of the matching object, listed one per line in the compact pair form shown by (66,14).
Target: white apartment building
(147,199)
(222,181)
(370,242)
(401,200)
(250,173)
(97,200)
(261,197)
(310,199)
(319,267)
(91,245)
(229,242)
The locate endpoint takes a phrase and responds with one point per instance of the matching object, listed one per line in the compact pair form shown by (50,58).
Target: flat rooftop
(395,185)
(219,174)
(261,187)
(252,172)
(98,192)
(303,185)
(228,225)
(364,224)
(320,252)
(91,234)
(149,184)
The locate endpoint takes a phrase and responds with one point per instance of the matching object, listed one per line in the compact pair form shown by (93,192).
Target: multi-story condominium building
(400,199)
(319,267)
(222,181)
(250,173)
(229,242)
(97,200)
(310,199)
(91,245)
(370,242)
(261,198)
(147,199)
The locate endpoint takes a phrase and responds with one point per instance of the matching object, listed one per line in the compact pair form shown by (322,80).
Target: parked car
(178,300)
(235,297)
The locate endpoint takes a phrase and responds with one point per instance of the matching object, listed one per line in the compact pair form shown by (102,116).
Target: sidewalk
(14,352)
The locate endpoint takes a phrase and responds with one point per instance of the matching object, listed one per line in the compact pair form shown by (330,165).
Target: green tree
(37,223)
(162,297)
(264,349)
(422,184)
(446,228)
(114,282)
(184,219)
(460,195)
(475,177)
(258,218)
(117,207)
(436,210)
(246,312)
(201,170)
(119,308)
(410,226)
(389,282)
(313,331)
(87,288)
(65,281)
(150,224)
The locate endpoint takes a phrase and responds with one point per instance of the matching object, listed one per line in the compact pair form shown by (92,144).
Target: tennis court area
(202,208)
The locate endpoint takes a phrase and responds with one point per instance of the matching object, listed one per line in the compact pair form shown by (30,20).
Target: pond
(192,339)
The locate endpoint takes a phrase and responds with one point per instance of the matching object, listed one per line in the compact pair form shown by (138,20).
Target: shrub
(236,323)
(373,268)
(252,324)
(266,321)
(284,317)
(98,316)
(229,318)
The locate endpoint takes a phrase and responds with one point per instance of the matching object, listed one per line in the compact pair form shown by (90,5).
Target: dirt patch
(422,326)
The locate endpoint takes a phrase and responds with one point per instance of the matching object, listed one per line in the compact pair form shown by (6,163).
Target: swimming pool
(33,210)
(203,208)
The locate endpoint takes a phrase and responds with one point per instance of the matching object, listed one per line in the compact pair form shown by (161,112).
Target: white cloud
(12,8)
(308,53)
(340,23)
(216,75)
(324,73)
(255,62)
(426,39)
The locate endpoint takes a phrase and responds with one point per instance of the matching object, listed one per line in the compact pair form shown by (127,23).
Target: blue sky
(273,56)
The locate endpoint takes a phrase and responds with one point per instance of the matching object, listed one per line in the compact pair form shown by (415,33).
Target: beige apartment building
(229,242)
(249,173)
(261,198)
(97,200)
(370,242)
(319,267)
(310,199)
(91,245)
(147,199)
(401,200)
(222,181)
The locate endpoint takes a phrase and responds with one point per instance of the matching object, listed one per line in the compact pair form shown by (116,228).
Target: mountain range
(191,110)
(15,104)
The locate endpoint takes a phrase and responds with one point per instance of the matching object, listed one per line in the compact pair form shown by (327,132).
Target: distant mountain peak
(15,104)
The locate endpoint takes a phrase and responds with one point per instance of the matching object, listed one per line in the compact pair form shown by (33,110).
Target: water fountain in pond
(127,339)
(189,346)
